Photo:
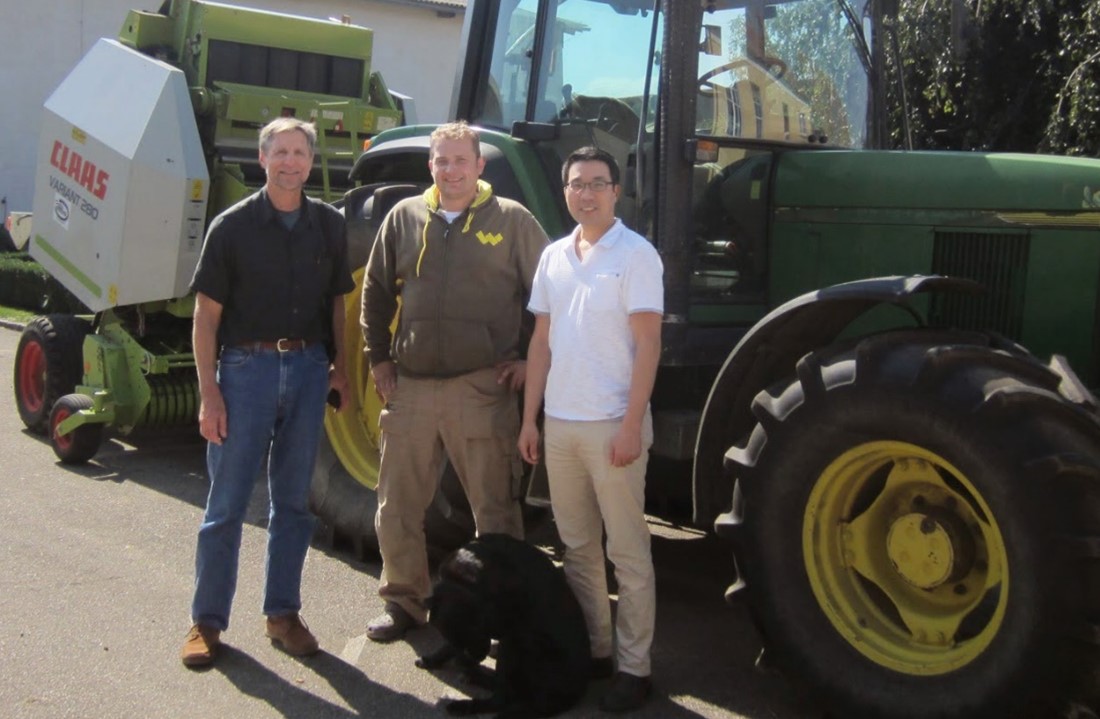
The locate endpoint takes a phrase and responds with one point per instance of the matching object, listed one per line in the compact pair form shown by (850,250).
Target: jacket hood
(431,199)
(484,192)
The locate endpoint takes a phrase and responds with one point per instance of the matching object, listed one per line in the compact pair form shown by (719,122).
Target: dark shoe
(627,693)
(291,634)
(390,625)
(201,646)
(602,668)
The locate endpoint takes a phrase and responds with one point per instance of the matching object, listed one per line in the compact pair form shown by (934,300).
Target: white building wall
(415,49)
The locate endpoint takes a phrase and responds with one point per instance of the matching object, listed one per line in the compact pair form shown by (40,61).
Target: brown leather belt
(283,345)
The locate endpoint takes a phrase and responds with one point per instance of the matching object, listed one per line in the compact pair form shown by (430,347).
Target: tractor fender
(768,352)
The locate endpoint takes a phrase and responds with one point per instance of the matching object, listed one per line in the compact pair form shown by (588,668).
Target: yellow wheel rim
(905,558)
(354,433)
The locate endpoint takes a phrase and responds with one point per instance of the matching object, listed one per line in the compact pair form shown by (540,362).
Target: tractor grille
(999,262)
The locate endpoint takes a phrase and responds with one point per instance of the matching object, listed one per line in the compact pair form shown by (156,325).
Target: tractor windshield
(592,56)
(789,71)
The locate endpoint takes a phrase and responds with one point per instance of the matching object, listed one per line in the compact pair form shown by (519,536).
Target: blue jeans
(274,401)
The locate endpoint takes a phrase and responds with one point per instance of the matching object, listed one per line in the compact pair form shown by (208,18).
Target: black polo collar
(266,212)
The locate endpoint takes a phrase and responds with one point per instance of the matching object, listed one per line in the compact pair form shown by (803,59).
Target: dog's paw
(438,658)
(479,676)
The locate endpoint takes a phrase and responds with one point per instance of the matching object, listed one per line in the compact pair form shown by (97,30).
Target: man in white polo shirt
(598,299)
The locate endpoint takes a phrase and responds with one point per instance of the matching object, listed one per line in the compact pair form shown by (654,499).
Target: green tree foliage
(1007,75)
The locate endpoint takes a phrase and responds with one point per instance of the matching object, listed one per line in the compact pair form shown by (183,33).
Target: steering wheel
(774,65)
(609,113)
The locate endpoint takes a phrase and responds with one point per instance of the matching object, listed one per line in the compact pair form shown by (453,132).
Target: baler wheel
(49,363)
(81,444)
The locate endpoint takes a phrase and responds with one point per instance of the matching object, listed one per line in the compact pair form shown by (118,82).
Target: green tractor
(144,140)
(913,498)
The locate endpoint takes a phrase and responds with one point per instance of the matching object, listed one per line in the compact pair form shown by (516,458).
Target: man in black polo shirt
(267,305)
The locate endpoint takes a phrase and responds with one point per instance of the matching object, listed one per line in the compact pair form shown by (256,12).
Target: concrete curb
(12,325)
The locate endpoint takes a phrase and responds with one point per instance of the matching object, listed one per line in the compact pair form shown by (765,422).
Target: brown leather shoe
(292,635)
(201,646)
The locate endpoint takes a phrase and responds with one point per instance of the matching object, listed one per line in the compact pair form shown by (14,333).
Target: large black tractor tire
(81,444)
(49,363)
(346,507)
(917,519)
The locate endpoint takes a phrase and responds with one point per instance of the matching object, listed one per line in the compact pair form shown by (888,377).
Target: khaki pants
(475,422)
(588,495)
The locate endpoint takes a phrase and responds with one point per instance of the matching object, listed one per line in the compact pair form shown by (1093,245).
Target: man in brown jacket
(461,260)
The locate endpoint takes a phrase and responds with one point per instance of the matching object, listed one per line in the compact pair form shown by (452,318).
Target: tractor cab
(694,99)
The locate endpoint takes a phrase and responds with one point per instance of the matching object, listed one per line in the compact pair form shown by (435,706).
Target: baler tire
(80,445)
(865,460)
(49,363)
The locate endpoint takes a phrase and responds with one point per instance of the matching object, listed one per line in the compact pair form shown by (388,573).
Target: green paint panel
(68,266)
(807,257)
(1061,298)
(726,314)
(532,180)
(853,179)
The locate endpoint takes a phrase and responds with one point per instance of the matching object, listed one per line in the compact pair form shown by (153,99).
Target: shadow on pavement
(717,640)
(364,697)
(172,462)
(169,461)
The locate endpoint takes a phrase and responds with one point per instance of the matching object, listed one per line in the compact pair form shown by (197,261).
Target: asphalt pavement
(97,569)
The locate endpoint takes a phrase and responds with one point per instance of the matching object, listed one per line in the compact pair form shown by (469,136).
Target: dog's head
(460,614)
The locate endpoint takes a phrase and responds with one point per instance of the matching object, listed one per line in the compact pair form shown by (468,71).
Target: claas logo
(80,169)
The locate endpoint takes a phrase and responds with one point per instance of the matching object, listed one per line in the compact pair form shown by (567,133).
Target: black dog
(498,587)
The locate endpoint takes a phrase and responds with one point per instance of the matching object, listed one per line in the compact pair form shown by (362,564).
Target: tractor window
(729,216)
(771,73)
(591,71)
(776,60)
(503,99)
(587,35)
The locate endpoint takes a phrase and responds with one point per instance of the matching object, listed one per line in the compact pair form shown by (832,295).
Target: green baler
(145,140)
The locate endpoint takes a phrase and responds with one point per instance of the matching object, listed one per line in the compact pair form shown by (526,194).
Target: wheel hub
(929,548)
(920,550)
(32,376)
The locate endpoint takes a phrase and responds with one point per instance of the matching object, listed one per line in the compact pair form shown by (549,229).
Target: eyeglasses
(595,186)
